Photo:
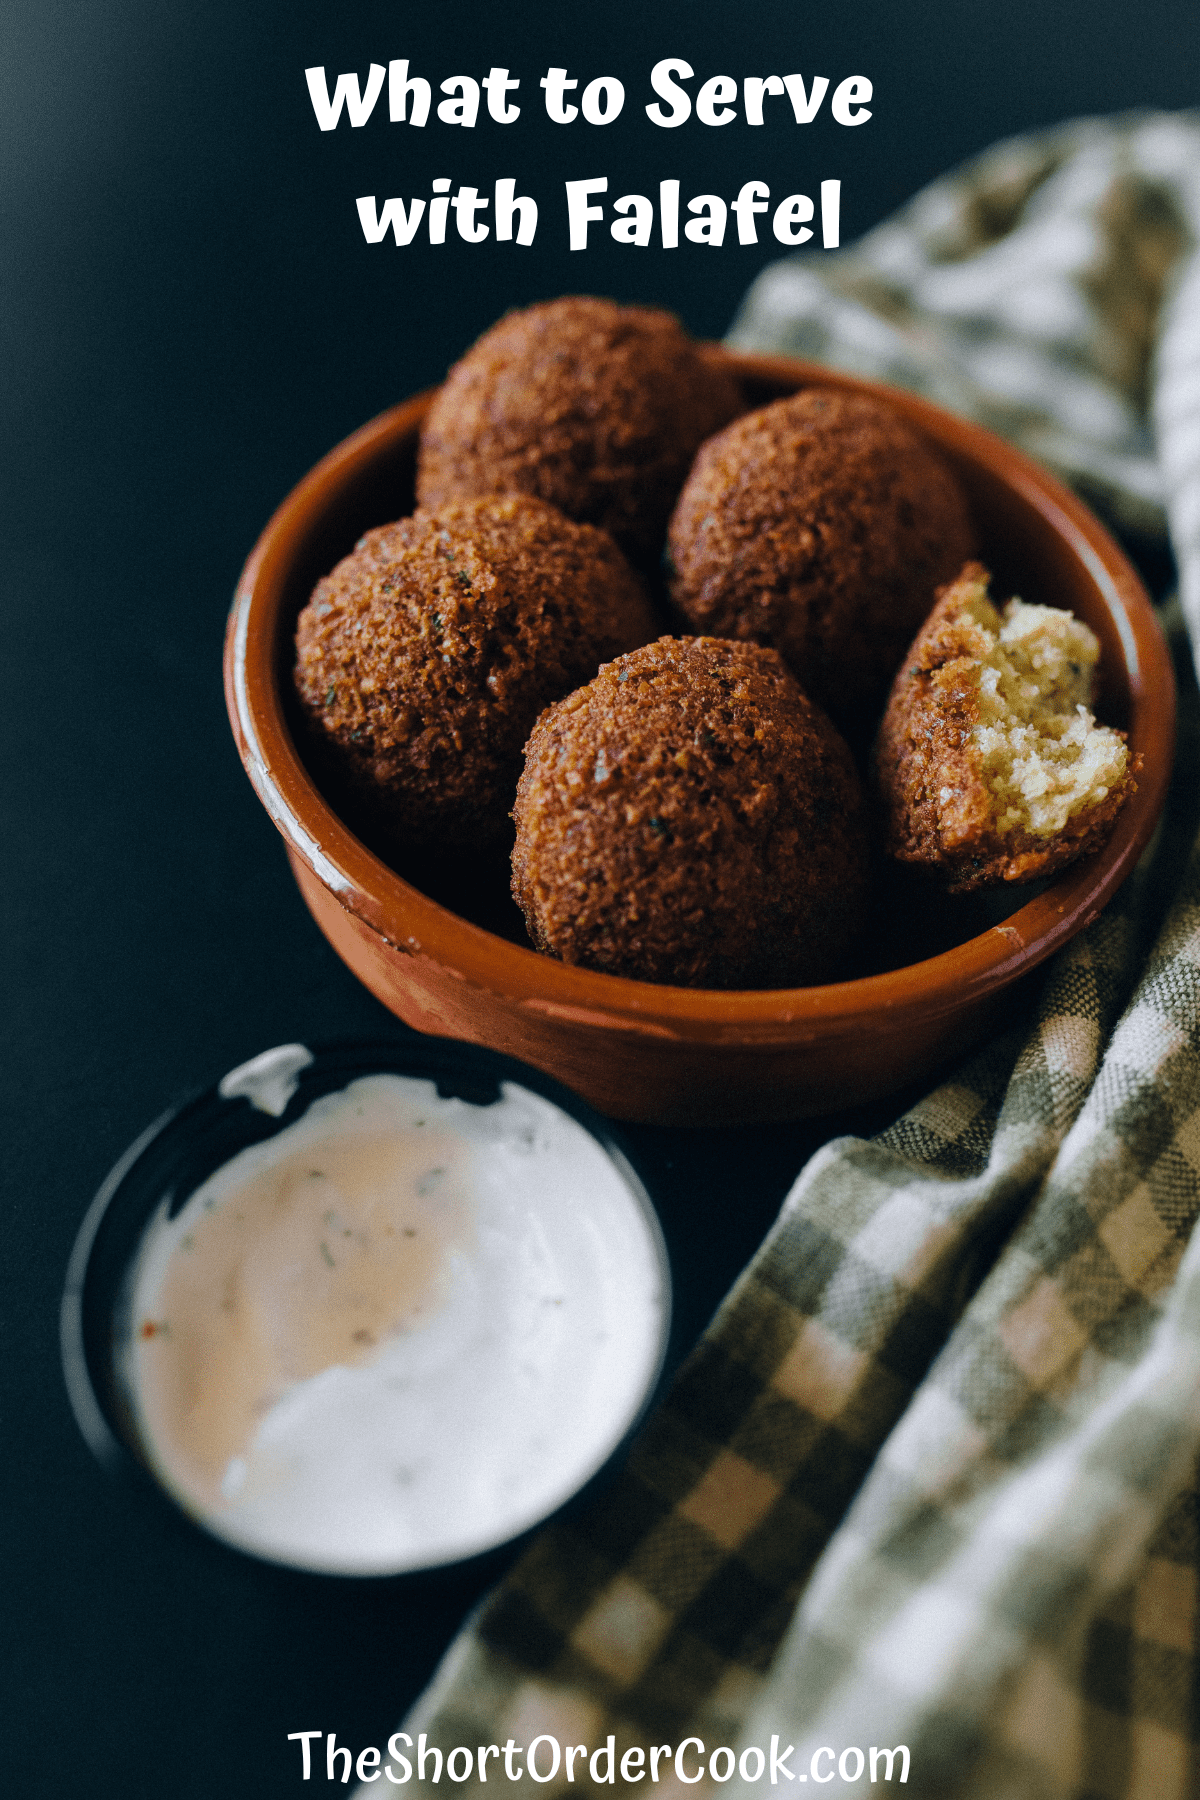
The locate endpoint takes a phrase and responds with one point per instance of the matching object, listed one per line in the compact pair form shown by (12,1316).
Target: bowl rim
(367,888)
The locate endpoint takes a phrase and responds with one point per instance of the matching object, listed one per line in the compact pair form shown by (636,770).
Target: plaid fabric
(1026,291)
(930,1477)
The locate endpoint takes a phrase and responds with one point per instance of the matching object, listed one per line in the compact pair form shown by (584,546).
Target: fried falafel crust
(424,658)
(691,817)
(820,524)
(958,799)
(595,407)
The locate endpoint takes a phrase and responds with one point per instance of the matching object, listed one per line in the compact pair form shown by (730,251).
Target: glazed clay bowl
(937,971)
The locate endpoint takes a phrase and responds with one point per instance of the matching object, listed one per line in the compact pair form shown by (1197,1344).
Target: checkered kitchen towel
(930,1478)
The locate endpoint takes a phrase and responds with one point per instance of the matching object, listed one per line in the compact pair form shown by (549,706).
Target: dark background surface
(190,318)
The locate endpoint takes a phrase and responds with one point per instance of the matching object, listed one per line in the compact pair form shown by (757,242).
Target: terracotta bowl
(936,971)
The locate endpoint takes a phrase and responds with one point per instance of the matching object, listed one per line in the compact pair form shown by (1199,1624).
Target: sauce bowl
(480,1219)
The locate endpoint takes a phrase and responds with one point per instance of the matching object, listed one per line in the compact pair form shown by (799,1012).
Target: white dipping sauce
(397,1333)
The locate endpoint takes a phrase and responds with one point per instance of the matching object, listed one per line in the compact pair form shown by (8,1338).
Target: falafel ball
(989,763)
(821,524)
(691,817)
(423,660)
(595,407)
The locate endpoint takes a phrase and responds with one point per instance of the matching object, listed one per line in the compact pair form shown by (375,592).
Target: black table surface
(191,317)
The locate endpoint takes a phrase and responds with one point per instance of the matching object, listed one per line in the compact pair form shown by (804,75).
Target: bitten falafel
(423,660)
(691,817)
(595,407)
(989,763)
(820,524)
